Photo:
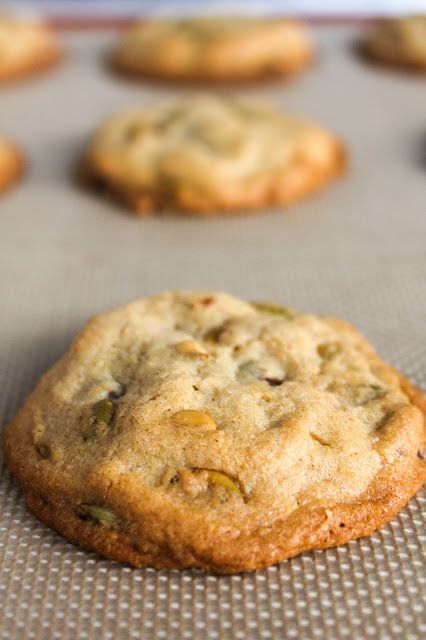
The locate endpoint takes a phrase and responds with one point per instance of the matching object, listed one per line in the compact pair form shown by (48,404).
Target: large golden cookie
(192,429)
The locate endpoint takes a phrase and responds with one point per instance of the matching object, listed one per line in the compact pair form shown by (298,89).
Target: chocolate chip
(117,393)
(214,334)
(421,455)
(274,382)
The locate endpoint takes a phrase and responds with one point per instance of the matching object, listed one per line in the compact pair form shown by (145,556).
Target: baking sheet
(356,250)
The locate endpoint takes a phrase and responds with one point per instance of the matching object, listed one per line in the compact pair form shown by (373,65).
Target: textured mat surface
(356,250)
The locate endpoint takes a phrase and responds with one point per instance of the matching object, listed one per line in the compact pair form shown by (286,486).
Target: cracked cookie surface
(192,429)
(210,155)
(214,49)
(399,41)
(11,163)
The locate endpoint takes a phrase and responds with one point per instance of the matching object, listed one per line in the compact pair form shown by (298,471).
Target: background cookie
(11,164)
(214,49)
(400,41)
(197,430)
(209,154)
(25,48)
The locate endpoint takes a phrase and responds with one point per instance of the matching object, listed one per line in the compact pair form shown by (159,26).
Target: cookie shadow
(358,50)
(420,151)
(51,167)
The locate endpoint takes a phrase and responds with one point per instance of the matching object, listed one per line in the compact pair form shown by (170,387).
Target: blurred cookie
(25,48)
(210,154)
(192,429)
(214,49)
(400,41)
(11,164)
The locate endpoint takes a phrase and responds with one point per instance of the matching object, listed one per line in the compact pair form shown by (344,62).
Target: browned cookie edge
(34,65)
(13,170)
(316,527)
(295,182)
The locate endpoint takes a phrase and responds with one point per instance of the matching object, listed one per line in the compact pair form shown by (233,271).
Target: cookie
(399,41)
(192,429)
(214,49)
(11,164)
(210,154)
(25,48)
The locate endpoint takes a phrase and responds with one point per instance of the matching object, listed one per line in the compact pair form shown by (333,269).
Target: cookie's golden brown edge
(35,64)
(280,71)
(367,51)
(13,169)
(370,57)
(293,183)
(282,68)
(162,539)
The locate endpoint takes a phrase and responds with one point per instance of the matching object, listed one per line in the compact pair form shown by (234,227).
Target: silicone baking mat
(356,250)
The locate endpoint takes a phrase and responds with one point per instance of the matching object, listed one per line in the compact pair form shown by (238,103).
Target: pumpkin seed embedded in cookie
(192,348)
(193,418)
(274,309)
(221,479)
(101,514)
(320,439)
(101,418)
(103,411)
(195,482)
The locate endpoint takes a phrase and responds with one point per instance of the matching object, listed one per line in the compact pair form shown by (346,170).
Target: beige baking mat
(356,250)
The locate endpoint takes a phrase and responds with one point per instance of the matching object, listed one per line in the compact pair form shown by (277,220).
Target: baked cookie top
(206,152)
(195,429)
(11,163)
(400,40)
(222,48)
(25,47)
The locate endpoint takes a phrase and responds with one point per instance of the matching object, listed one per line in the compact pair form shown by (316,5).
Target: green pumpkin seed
(274,309)
(221,479)
(103,410)
(103,515)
